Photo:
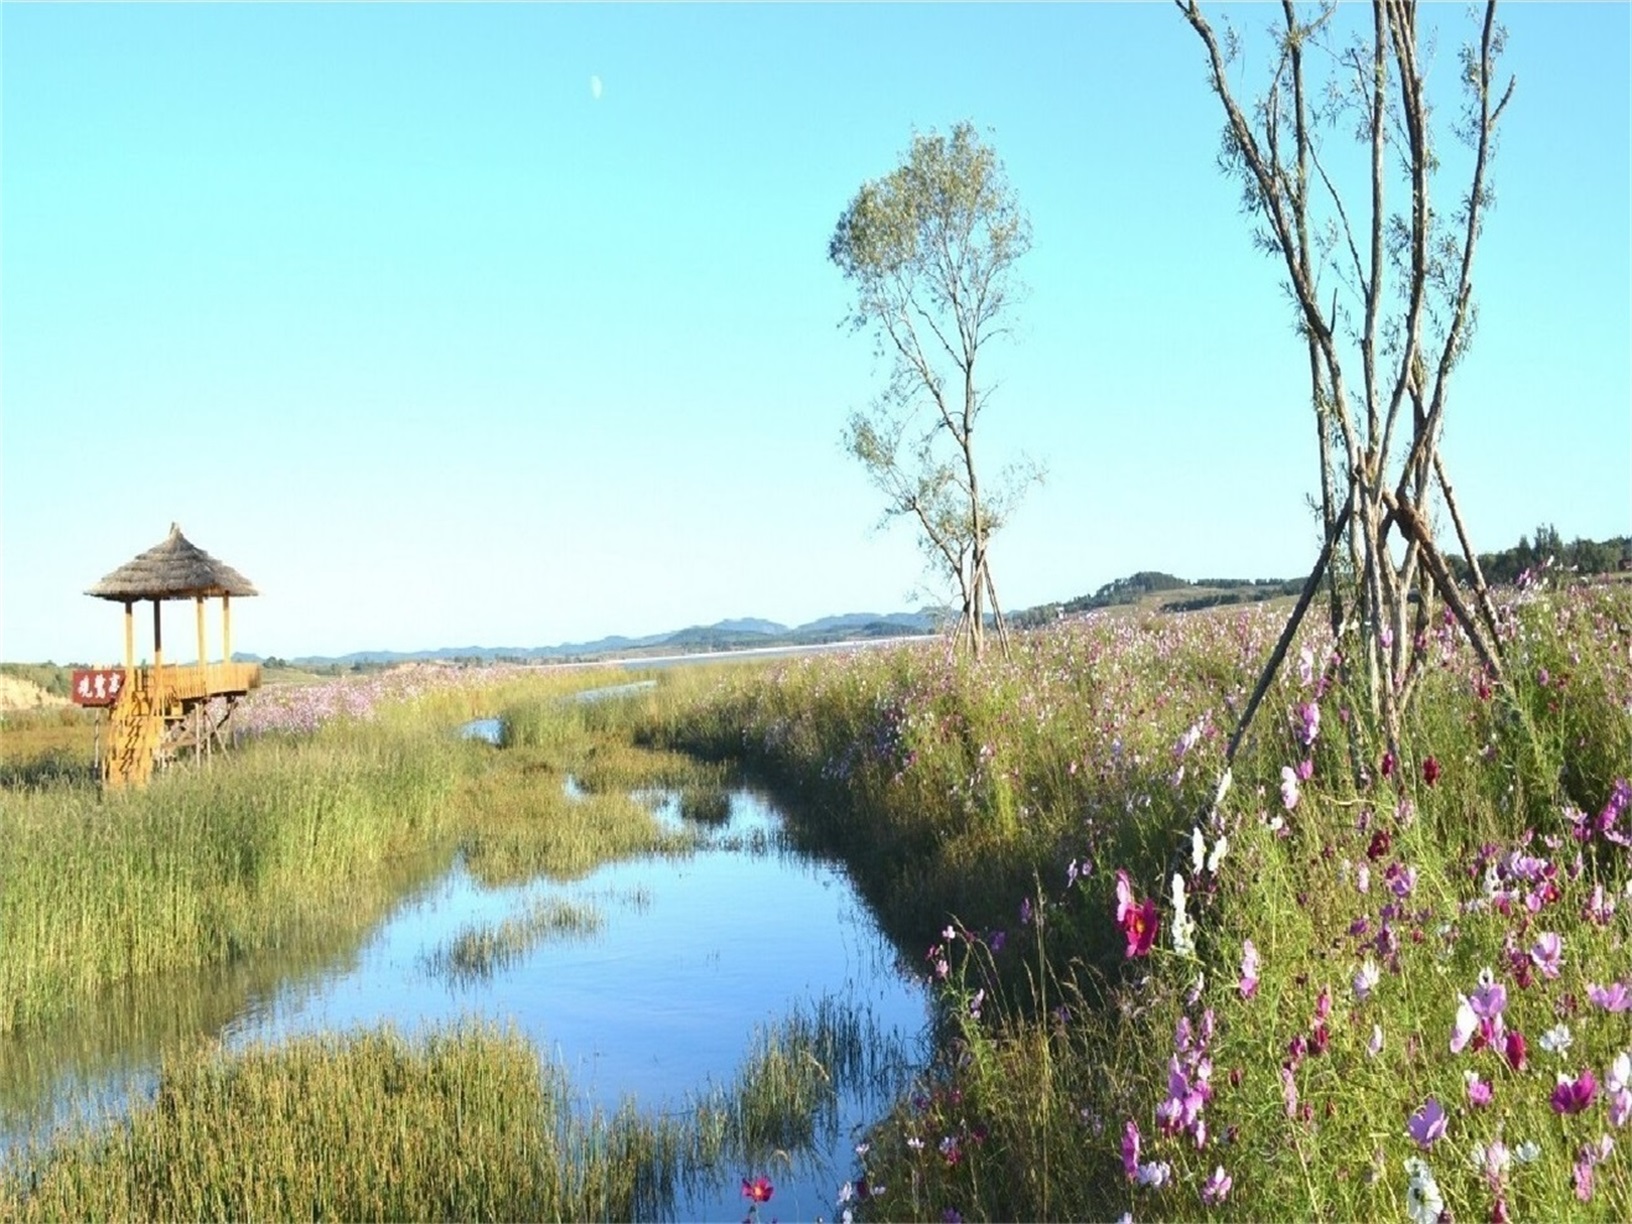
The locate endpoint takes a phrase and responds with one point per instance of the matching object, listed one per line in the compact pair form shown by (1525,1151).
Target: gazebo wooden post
(200,745)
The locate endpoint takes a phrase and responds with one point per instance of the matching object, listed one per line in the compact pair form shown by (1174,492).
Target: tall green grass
(987,811)
(460,1125)
(250,851)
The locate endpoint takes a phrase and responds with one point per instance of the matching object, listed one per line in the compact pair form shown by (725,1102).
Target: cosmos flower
(1573,1095)
(1249,969)
(1427,1125)
(1217,1187)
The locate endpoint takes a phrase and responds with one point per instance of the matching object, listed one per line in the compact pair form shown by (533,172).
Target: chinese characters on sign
(97,686)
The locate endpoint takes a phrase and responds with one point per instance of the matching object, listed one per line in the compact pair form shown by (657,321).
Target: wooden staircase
(134,734)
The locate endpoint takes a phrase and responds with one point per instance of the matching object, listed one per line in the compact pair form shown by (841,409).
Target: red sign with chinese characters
(97,686)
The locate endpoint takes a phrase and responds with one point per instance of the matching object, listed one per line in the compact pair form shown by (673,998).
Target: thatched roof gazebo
(174,569)
(162,709)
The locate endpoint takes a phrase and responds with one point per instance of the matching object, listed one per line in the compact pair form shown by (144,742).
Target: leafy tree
(1380,278)
(930,251)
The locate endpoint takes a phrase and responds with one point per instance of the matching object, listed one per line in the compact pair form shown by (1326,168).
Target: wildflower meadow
(1364,985)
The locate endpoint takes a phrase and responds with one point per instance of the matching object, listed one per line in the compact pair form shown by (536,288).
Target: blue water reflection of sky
(660,1002)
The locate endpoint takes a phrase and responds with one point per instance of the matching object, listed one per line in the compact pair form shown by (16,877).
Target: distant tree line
(1582,555)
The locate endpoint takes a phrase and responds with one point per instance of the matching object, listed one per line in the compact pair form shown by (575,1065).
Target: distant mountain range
(1152,589)
(745,633)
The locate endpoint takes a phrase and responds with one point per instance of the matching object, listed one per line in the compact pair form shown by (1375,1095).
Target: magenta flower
(1573,1095)
(1130,1149)
(1139,923)
(1217,1187)
(1427,1125)
(1548,953)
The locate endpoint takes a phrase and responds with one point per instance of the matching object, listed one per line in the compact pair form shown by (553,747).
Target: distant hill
(1150,589)
(744,633)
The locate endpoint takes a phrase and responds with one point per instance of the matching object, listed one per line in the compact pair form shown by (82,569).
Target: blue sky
(439,345)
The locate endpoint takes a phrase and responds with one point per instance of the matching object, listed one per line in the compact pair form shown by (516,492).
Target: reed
(465,1124)
(478,952)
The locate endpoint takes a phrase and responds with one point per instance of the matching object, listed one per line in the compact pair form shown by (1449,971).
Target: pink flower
(1249,969)
(1548,953)
(1309,717)
(1289,1091)
(1583,1180)
(1427,1125)
(1479,1093)
(1489,998)
(1618,1084)
(1464,1026)
(1289,787)
(1615,997)
(1124,896)
(1573,1095)
(1217,1187)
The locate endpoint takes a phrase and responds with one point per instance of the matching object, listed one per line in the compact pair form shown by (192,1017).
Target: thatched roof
(175,569)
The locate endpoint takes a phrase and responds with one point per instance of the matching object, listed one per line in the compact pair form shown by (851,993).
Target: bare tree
(1383,298)
(930,250)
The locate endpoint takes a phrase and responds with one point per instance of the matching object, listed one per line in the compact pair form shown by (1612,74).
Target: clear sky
(513,325)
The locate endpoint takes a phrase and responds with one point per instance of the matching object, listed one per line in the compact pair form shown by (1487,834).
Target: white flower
(1184,928)
(1423,1201)
(1365,981)
(1156,1174)
(1619,1078)
(1556,1040)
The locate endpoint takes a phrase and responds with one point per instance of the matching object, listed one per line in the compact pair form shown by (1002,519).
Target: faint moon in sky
(595,87)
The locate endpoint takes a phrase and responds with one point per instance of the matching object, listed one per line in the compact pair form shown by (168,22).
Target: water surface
(660,1002)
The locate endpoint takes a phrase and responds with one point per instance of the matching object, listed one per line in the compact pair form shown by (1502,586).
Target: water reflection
(659,996)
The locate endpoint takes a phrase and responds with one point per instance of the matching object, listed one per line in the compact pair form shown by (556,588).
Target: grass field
(1363,987)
